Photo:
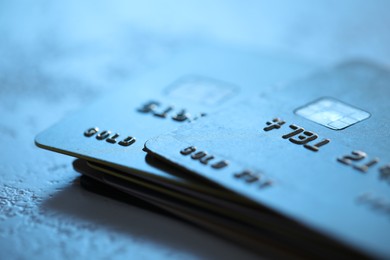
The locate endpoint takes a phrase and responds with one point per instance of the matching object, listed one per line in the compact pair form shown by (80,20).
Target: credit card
(271,238)
(113,130)
(317,150)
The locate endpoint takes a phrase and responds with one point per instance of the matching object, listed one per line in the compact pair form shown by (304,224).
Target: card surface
(317,151)
(113,131)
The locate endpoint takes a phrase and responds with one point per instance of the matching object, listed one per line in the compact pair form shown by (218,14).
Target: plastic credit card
(276,234)
(113,131)
(317,151)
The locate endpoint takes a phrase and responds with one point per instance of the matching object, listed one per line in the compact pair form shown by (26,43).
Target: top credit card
(113,130)
(317,150)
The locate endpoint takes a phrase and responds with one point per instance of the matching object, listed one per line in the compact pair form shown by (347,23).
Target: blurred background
(56,57)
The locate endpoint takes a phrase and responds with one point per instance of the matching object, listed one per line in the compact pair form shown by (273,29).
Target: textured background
(57,57)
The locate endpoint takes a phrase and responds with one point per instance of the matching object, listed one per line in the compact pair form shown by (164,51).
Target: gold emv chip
(332,113)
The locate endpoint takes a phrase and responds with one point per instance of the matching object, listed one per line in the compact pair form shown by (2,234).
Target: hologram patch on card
(332,113)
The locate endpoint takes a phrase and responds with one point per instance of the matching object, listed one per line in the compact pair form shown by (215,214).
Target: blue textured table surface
(56,58)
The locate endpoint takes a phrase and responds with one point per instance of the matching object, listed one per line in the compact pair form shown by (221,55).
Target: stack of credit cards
(270,152)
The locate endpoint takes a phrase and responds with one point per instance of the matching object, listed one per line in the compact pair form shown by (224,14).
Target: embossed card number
(106,135)
(203,157)
(298,136)
(247,175)
(162,111)
(357,157)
